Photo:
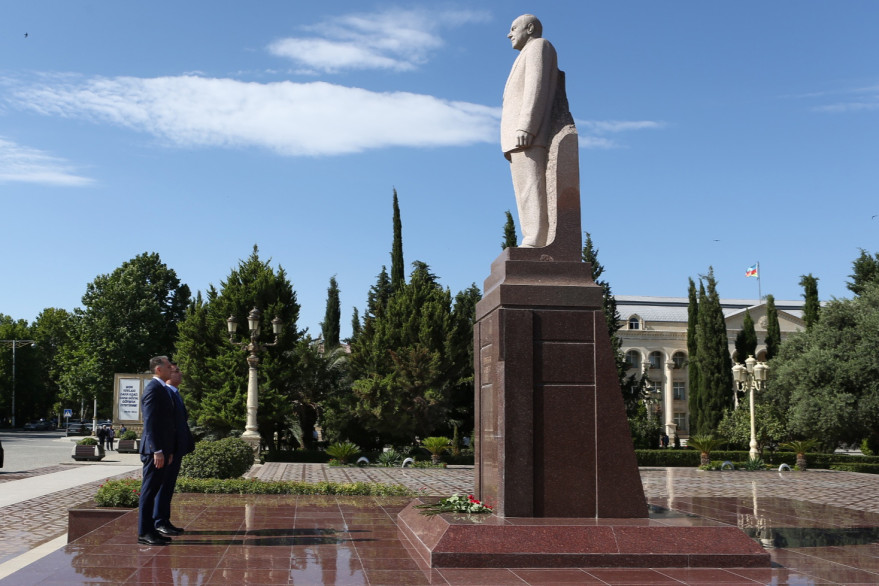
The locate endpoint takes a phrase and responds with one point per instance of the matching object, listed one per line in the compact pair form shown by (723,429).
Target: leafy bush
(253,486)
(753,465)
(436,446)
(87,441)
(343,451)
(119,493)
(226,458)
(128,435)
(390,459)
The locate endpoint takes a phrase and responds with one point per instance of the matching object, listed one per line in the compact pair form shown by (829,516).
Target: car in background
(77,427)
(41,425)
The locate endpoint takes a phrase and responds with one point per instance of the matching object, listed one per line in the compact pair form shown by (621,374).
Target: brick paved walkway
(28,524)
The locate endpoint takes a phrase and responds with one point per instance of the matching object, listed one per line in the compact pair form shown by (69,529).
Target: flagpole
(759,289)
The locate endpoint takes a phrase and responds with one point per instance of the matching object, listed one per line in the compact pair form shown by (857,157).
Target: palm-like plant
(343,451)
(436,446)
(705,444)
(800,447)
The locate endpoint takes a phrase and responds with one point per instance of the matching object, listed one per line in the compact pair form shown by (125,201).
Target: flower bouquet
(455,504)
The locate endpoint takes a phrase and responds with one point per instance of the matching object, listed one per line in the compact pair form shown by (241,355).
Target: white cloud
(397,40)
(289,118)
(593,131)
(27,165)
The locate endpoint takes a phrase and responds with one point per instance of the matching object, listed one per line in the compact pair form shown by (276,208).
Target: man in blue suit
(185,445)
(158,445)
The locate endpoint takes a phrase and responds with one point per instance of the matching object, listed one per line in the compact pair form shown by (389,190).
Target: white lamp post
(751,376)
(251,433)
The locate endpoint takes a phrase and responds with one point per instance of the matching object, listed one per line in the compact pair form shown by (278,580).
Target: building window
(655,359)
(680,359)
(680,391)
(682,421)
(633,359)
(634,323)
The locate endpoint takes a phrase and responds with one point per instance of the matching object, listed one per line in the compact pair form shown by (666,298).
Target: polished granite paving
(240,539)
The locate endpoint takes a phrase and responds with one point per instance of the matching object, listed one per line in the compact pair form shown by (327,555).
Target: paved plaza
(820,527)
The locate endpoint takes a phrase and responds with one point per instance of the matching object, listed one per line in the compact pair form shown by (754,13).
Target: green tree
(53,330)
(773,329)
(332,317)
(398,278)
(715,365)
(129,316)
(826,379)
(611,315)
(810,294)
(400,364)
(459,349)
(31,398)
(769,425)
(746,340)
(692,352)
(215,372)
(865,272)
(509,233)
(355,325)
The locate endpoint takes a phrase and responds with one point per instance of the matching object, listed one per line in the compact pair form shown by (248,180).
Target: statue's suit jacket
(529,94)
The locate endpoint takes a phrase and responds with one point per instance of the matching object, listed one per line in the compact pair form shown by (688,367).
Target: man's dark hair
(157,361)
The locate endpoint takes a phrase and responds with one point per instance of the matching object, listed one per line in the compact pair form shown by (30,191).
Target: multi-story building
(653,332)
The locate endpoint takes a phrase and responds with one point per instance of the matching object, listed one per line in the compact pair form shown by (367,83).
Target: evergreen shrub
(864,467)
(87,441)
(119,493)
(128,435)
(225,458)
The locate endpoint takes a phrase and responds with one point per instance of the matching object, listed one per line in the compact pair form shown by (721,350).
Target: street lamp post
(751,376)
(251,433)
(14,344)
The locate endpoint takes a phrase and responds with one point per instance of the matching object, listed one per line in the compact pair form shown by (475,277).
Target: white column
(669,399)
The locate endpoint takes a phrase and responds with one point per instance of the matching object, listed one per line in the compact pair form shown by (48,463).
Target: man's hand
(523,139)
(158,459)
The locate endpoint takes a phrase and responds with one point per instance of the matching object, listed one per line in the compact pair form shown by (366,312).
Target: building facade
(653,331)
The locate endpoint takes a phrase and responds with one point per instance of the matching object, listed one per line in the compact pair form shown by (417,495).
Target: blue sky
(712,133)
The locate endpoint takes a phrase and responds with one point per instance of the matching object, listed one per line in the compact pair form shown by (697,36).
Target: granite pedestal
(554,454)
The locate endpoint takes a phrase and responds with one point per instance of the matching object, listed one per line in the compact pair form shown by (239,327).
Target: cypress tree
(810,293)
(693,354)
(398,278)
(715,365)
(773,329)
(609,304)
(865,271)
(509,233)
(746,340)
(355,326)
(332,317)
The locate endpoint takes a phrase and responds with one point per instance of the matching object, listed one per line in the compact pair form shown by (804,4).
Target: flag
(752,271)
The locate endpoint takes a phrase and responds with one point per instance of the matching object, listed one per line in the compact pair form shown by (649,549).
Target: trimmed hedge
(690,458)
(865,467)
(226,458)
(254,486)
(297,456)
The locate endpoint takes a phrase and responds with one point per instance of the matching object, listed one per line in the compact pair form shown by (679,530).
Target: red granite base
(480,541)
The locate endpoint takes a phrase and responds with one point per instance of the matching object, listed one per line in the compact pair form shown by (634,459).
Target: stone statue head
(523,29)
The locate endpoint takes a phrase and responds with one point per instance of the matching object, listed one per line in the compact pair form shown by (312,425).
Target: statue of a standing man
(525,124)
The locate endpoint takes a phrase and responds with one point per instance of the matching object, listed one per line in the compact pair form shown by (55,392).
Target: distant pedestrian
(111,436)
(102,437)
(663,440)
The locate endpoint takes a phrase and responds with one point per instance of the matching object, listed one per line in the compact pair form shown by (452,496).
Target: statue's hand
(523,139)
